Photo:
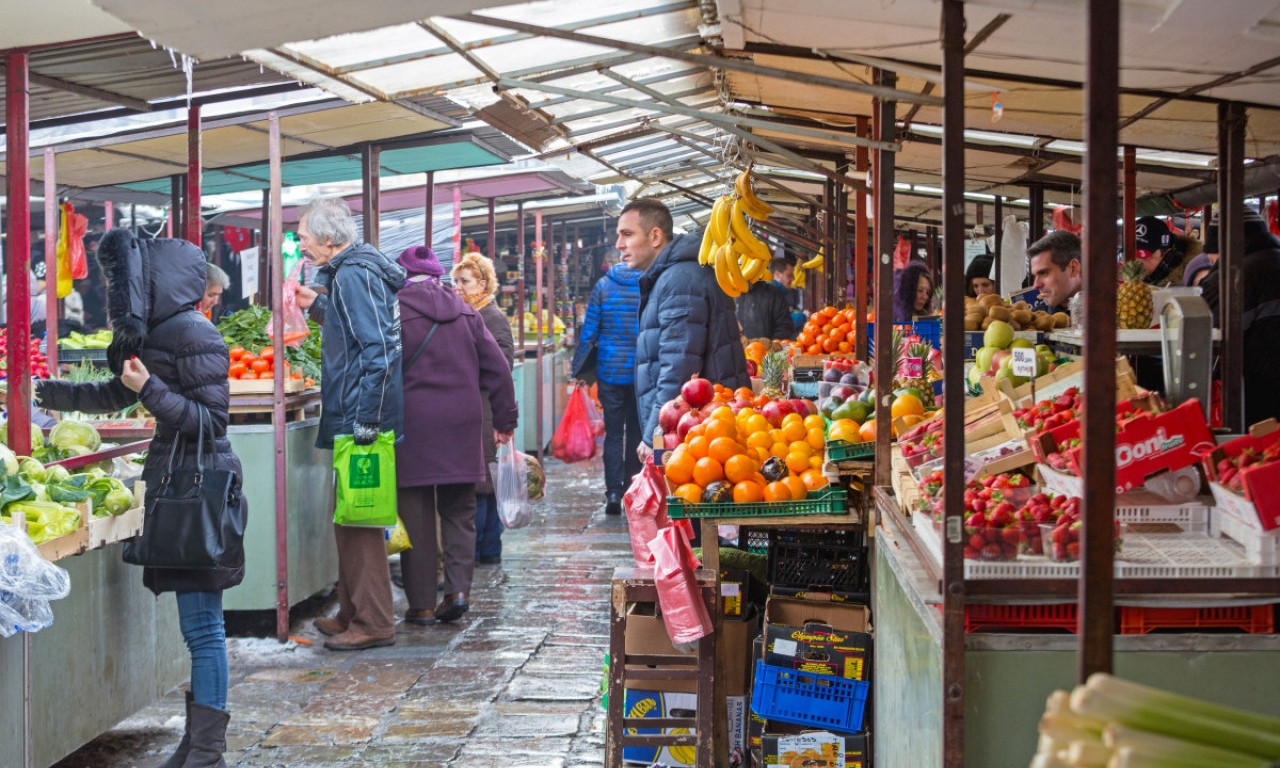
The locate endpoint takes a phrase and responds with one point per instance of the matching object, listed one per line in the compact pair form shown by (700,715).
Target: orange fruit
(744,392)
(816,440)
(707,471)
(740,467)
(721,428)
(759,480)
(778,435)
(844,429)
(762,453)
(910,420)
(777,491)
(780,450)
(759,440)
(748,491)
(722,449)
(798,489)
(814,421)
(679,466)
(756,423)
(794,430)
(722,413)
(814,479)
(698,447)
(868,430)
(796,462)
(690,493)
(815,462)
(697,431)
(801,447)
(906,405)
(755,351)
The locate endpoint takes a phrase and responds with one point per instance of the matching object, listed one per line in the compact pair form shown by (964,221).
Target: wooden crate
(126,525)
(263,386)
(64,546)
(1064,377)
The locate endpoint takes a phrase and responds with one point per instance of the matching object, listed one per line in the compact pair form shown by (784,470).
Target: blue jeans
(488,526)
(621,436)
(200,617)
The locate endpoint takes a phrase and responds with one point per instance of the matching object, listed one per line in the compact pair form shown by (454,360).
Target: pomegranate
(774,410)
(669,415)
(688,422)
(804,407)
(670,440)
(697,391)
(739,403)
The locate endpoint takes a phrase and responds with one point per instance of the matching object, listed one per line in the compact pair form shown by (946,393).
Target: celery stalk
(1127,757)
(1154,745)
(1148,696)
(1088,755)
(1093,701)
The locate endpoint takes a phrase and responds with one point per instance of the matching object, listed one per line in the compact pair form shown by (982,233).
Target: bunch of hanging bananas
(813,264)
(728,244)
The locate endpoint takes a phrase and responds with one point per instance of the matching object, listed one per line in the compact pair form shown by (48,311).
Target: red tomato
(236,370)
(260,366)
(267,353)
(236,352)
(249,375)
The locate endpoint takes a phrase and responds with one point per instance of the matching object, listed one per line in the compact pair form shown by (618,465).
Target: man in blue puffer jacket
(687,324)
(613,317)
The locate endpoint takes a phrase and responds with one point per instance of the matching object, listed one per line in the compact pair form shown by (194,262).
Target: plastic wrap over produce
(27,583)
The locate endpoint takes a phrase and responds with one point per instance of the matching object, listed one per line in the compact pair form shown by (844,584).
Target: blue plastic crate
(804,698)
(928,330)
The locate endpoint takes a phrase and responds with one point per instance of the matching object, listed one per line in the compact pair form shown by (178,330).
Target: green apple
(982,358)
(999,334)
(1021,343)
(1043,349)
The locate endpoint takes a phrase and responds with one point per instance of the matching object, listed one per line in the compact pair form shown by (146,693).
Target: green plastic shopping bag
(366,492)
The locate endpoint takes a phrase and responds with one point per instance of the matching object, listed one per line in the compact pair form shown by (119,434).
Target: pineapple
(924,384)
(1133,297)
(773,369)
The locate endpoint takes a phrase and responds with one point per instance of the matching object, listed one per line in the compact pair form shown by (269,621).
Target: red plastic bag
(594,416)
(902,253)
(295,320)
(646,504)
(683,611)
(575,438)
(70,250)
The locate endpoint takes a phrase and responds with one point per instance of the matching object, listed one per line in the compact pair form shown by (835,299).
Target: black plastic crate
(754,540)
(819,561)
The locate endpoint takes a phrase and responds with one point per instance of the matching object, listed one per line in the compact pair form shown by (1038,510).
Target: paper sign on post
(248,272)
(1023,362)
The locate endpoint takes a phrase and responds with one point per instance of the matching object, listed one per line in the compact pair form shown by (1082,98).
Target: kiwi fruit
(1000,313)
(1023,317)
(971,323)
(1061,320)
(1015,325)
(986,321)
(1021,305)
(1044,322)
(990,300)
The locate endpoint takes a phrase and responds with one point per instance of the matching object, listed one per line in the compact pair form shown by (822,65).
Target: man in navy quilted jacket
(611,323)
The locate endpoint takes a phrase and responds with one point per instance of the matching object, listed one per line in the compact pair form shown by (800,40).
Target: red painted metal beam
(275,261)
(18,248)
(191,216)
(52,218)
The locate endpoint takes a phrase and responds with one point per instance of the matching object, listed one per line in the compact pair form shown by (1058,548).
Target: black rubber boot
(208,728)
(613,506)
(178,758)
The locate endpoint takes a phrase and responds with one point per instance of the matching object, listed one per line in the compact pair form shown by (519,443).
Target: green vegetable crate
(842,450)
(829,501)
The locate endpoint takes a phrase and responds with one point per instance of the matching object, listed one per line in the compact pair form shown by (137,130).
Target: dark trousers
(364,580)
(456,506)
(621,436)
(488,526)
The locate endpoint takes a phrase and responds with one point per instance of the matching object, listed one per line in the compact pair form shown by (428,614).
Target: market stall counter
(555,394)
(1008,675)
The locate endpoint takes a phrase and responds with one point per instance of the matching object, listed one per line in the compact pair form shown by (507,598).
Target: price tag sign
(914,367)
(1023,362)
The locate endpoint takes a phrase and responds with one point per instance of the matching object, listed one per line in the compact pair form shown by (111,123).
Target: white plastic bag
(511,486)
(27,583)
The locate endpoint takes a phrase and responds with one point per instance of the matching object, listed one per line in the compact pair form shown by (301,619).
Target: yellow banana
(734,270)
(708,244)
(718,224)
(722,272)
(798,279)
(754,269)
(738,226)
(817,262)
(753,205)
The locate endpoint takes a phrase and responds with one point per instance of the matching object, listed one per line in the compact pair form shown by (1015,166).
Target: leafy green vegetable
(72,435)
(248,328)
(15,489)
(46,520)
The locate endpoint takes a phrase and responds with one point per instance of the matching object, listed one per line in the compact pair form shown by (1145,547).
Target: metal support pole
(275,263)
(174,226)
(52,218)
(861,275)
(539,252)
(885,165)
(1130,203)
(953,347)
(191,215)
(370,177)
(1232,121)
(491,248)
(1097,543)
(1035,194)
(840,264)
(999,214)
(264,246)
(429,225)
(520,297)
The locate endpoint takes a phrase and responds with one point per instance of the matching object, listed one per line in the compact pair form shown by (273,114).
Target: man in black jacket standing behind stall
(765,310)
(687,324)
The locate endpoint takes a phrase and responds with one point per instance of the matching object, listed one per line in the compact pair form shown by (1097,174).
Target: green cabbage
(67,433)
(119,500)
(33,469)
(57,474)
(37,437)
(10,460)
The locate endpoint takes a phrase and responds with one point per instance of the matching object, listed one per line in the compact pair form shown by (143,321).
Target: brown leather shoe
(352,640)
(330,626)
(452,607)
(421,616)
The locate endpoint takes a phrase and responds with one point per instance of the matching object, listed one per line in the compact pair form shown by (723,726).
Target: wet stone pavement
(514,683)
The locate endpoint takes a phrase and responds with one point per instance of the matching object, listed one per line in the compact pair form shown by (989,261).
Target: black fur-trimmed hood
(148,281)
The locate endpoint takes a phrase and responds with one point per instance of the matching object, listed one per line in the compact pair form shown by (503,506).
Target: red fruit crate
(1253,619)
(979,617)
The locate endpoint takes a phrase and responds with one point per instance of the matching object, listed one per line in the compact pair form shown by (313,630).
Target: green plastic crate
(829,501)
(842,450)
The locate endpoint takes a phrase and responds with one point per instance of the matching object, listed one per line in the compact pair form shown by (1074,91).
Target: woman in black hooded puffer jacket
(167,355)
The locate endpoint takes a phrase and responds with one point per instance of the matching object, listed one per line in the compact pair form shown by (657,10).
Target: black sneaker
(613,506)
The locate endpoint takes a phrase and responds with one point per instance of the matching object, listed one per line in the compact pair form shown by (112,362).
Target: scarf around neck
(478,301)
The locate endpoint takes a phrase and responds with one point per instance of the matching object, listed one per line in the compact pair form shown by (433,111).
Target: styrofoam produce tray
(1144,555)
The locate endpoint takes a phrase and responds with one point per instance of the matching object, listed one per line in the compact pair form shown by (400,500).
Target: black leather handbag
(585,370)
(194,519)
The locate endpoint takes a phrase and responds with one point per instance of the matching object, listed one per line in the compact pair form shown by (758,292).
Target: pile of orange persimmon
(260,365)
(759,453)
(828,331)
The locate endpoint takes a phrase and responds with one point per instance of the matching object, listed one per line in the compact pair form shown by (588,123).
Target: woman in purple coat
(449,360)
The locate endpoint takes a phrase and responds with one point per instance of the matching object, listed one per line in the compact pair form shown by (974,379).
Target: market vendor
(1164,253)
(1057,269)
